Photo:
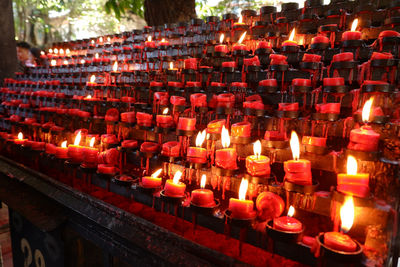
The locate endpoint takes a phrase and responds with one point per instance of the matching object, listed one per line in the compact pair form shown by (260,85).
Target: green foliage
(205,9)
(120,7)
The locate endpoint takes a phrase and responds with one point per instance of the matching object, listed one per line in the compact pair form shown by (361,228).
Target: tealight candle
(221,47)
(314,141)
(173,187)
(198,154)
(239,46)
(152,181)
(149,43)
(240,207)
(353,183)
(257,164)
(288,223)
(164,120)
(20,139)
(187,124)
(62,151)
(75,151)
(91,153)
(241,129)
(290,41)
(352,34)
(203,197)
(225,158)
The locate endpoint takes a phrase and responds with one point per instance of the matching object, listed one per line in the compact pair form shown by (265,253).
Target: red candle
(257,164)
(171,149)
(62,152)
(144,119)
(203,197)
(288,223)
(163,42)
(225,100)
(20,140)
(215,126)
(149,43)
(352,34)
(290,41)
(177,100)
(338,81)
(353,183)
(288,106)
(275,136)
(50,149)
(264,45)
(198,154)
(221,48)
(328,108)
(174,188)
(229,64)
(241,129)
(92,81)
(298,170)
(239,46)
(91,153)
(75,151)
(346,56)
(301,82)
(106,169)
(152,181)
(149,147)
(268,82)
(226,157)
(320,39)
(311,58)
(190,63)
(198,100)
(314,141)
(187,124)
(128,117)
(240,207)
(164,120)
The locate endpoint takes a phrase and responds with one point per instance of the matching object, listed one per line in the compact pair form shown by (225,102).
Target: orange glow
(115,66)
(88,97)
(240,20)
(163,40)
(55,51)
(149,38)
(64,144)
(53,62)
(61,51)
(177,177)
(201,136)
(65,62)
(92,42)
(91,144)
(203,181)
(242,38)
(257,148)
(96,56)
(295,145)
(82,61)
(290,212)
(156,173)
(347,214)
(225,138)
(92,78)
(366,111)
(292,34)
(165,111)
(243,189)
(101,39)
(171,65)
(20,136)
(78,139)
(354,25)
(351,165)
(221,38)
(67,51)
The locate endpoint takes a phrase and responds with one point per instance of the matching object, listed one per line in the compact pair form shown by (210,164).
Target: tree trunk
(8,52)
(32,33)
(159,12)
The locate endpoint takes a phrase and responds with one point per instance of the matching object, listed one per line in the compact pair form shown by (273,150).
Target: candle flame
(292,34)
(221,38)
(177,177)
(61,51)
(240,20)
(55,51)
(354,25)
(201,136)
(242,38)
(50,51)
(42,53)
(108,39)
(171,65)
(65,62)
(243,189)
(53,62)
(20,136)
(89,97)
(290,212)
(295,145)
(64,144)
(92,41)
(101,39)
(77,139)
(67,51)
(257,148)
(366,111)
(225,139)
(96,56)
(149,38)
(83,61)
(91,144)
(115,66)
(156,173)
(203,181)
(351,165)
(92,78)
(165,111)
(347,214)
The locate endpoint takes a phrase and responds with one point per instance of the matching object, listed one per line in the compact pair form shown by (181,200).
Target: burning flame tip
(203,181)
(221,38)
(242,37)
(257,148)
(201,136)
(225,139)
(165,111)
(295,145)
(290,211)
(20,136)
(78,139)
(177,177)
(243,189)
(354,25)
(92,141)
(292,34)
(347,214)
(351,165)
(366,111)
(64,144)
(156,173)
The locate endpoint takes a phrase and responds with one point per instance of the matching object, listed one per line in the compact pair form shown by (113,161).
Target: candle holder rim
(270,225)
(343,253)
(172,199)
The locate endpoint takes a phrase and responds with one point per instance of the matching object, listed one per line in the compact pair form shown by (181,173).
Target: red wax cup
(320,39)
(151,182)
(338,81)
(193,84)
(353,184)
(221,48)
(237,47)
(340,242)
(258,165)
(37,146)
(229,64)
(177,100)
(61,152)
(129,143)
(164,121)
(328,108)
(351,35)
(275,136)
(298,171)
(50,149)
(108,139)
(198,100)
(110,156)
(175,84)
(149,147)
(90,156)
(314,141)
(191,63)
(311,58)
(289,106)
(289,43)
(226,158)
(203,198)
(264,45)
(388,33)
(241,209)
(241,129)
(20,141)
(225,100)
(144,119)
(364,139)
(174,190)
(163,43)
(277,59)
(161,98)
(150,44)
(76,153)
(187,124)
(197,155)
(106,169)
(170,149)
(287,224)
(268,82)
(128,117)
(346,56)
(253,104)
(301,82)
(254,61)
(215,126)
(381,56)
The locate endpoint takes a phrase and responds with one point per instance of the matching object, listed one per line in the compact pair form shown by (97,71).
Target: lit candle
(91,153)
(239,24)
(298,170)
(221,48)
(75,151)
(92,81)
(149,43)
(62,151)
(20,139)
(257,164)
(313,141)
(203,197)
(353,183)
(288,223)
(164,120)
(339,241)
(173,187)
(352,34)
(163,43)
(198,154)
(152,181)
(239,45)
(226,157)
(240,207)
(364,138)
(290,41)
